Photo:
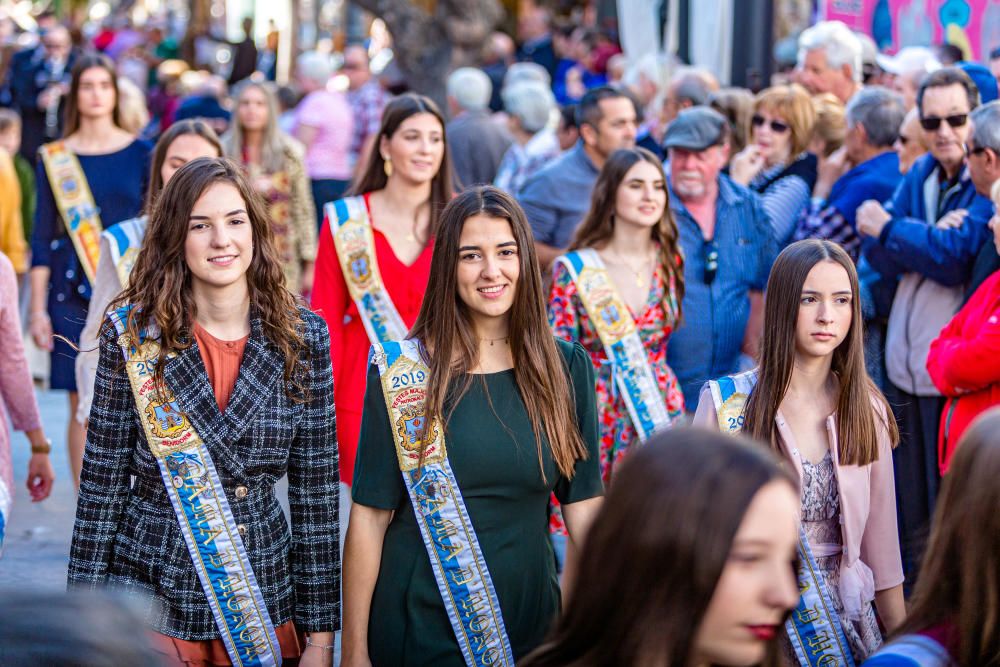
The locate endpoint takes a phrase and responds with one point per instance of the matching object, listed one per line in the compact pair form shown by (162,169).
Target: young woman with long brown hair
(676,573)
(483,399)
(186,140)
(92,178)
(954,614)
(629,239)
(375,251)
(813,402)
(274,162)
(225,389)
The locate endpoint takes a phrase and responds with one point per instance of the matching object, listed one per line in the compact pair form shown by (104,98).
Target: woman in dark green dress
(519,418)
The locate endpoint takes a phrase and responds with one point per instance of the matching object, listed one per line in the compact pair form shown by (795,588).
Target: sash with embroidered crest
(202,509)
(814,627)
(620,337)
(125,240)
(355,243)
(75,203)
(456,557)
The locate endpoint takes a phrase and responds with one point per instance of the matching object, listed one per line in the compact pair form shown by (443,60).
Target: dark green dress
(493,454)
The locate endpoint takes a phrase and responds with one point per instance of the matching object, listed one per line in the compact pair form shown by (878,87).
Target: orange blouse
(222,360)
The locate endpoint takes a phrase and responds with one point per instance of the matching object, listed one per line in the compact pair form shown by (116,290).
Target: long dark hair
(179,129)
(664,532)
(959,582)
(159,287)
(858,418)
(445,327)
(373,176)
(599,224)
(71,113)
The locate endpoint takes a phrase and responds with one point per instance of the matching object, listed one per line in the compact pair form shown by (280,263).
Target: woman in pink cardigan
(18,396)
(813,402)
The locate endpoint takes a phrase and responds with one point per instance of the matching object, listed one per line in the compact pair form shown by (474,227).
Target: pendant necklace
(640,278)
(491,341)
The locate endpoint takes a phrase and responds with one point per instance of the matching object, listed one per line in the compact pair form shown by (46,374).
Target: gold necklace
(491,341)
(640,275)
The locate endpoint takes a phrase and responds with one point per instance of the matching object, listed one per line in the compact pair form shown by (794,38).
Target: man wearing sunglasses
(728,245)
(933,263)
(983,150)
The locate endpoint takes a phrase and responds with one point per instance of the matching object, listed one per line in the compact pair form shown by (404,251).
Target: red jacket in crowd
(964,362)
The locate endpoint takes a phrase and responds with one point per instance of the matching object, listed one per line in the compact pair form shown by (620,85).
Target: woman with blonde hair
(776,164)
(274,162)
(831,125)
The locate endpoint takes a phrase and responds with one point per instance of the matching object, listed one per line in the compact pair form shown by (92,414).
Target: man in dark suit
(39,79)
(534,32)
(244,55)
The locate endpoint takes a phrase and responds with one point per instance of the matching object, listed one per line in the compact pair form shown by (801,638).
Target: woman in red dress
(403,189)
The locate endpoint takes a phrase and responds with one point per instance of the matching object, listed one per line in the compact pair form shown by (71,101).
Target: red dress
(964,362)
(349,342)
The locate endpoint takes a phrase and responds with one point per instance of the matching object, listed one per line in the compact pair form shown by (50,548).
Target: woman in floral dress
(631,230)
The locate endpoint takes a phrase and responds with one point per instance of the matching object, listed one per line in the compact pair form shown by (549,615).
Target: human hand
(830,171)
(872,218)
(40,327)
(746,164)
(952,219)
(40,477)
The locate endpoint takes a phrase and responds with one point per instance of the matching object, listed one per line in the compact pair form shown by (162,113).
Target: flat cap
(695,129)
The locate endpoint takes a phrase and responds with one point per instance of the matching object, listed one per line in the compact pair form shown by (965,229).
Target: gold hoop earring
(387,167)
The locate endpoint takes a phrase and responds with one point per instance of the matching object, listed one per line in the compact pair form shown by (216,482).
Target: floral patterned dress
(569,320)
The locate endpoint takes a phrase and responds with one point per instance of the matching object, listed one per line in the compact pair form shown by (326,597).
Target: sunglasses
(710,255)
(776,125)
(932,123)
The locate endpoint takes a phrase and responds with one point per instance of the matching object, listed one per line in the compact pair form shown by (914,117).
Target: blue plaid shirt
(707,344)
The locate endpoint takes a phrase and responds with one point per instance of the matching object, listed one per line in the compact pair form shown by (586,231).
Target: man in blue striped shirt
(728,246)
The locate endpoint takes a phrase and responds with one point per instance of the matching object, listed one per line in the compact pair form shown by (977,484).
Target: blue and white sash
(202,510)
(912,651)
(814,627)
(355,243)
(620,338)
(6,500)
(125,240)
(456,558)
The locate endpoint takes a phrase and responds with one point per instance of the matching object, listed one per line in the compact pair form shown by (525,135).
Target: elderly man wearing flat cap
(728,251)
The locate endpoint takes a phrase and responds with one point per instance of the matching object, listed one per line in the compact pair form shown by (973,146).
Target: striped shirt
(784,200)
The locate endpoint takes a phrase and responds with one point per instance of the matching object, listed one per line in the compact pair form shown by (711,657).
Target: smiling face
(946,143)
(757,586)
(773,136)
(219,244)
(182,150)
(97,94)
(488,269)
(825,310)
(252,110)
(416,148)
(641,197)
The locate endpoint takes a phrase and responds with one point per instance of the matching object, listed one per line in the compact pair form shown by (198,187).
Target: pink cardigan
(867,503)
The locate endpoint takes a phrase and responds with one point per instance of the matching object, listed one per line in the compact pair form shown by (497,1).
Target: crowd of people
(514,327)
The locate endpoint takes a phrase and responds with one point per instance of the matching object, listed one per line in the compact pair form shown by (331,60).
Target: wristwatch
(43,448)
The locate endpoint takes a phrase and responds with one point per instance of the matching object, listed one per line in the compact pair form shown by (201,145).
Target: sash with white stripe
(814,626)
(75,202)
(199,501)
(620,338)
(456,558)
(355,243)
(125,240)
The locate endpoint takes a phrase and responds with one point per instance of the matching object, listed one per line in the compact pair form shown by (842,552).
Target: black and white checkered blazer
(127,537)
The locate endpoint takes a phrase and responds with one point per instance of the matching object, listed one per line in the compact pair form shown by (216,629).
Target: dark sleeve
(314,494)
(47,220)
(377,480)
(586,482)
(104,481)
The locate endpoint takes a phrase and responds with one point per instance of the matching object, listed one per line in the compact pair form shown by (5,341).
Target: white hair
(470,87)
(530,102)
(314,66)
(840,44)
(654,67)
(524,72)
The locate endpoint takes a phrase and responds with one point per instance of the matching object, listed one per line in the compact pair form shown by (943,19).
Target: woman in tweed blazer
(210,277)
